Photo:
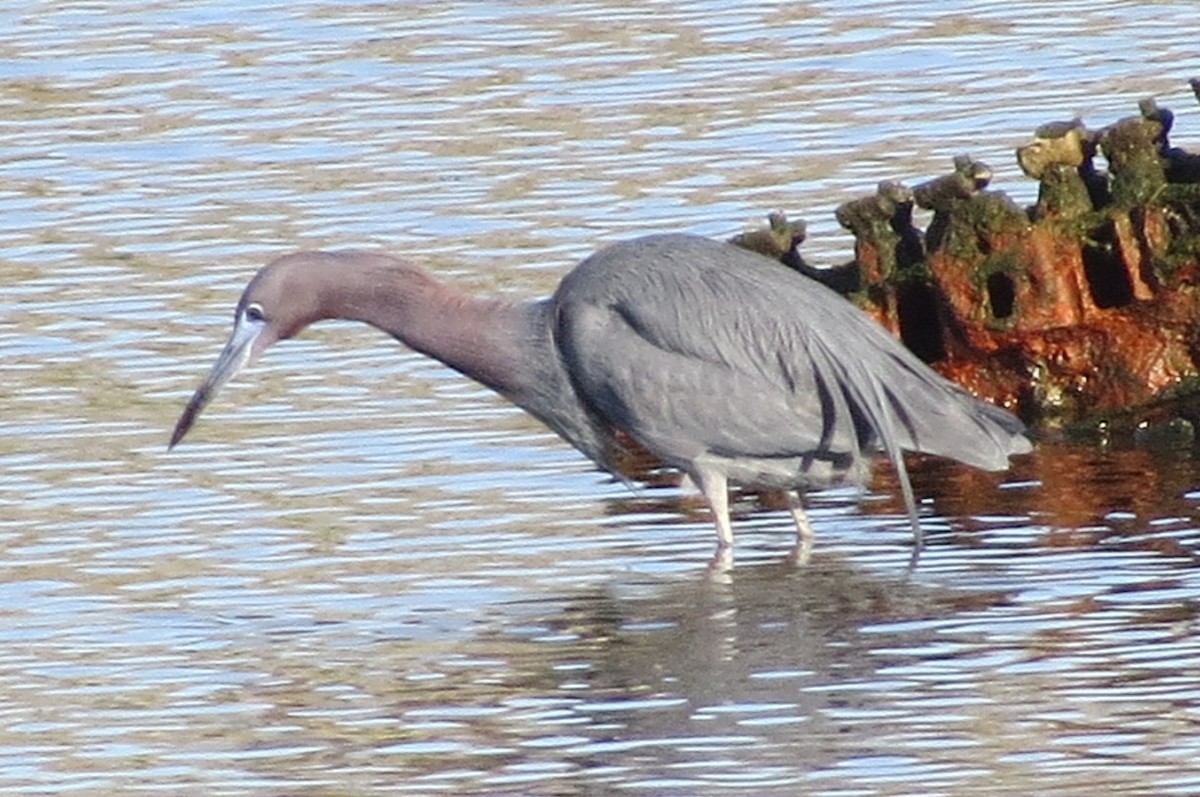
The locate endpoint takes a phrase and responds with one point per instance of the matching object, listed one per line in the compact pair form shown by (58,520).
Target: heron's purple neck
(484,338)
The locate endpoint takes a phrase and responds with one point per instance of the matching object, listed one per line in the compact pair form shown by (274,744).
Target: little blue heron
(718,361)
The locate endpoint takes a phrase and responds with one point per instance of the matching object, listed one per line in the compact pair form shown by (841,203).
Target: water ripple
(363,574)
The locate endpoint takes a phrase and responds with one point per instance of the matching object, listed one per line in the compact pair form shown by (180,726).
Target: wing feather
(695,346)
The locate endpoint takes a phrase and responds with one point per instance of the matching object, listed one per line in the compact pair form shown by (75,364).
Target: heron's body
(717,360)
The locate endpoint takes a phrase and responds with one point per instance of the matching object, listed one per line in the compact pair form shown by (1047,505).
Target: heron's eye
(254,312)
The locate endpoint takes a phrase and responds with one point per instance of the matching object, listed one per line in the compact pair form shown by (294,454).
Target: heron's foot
(722,561)
(915,556)
(801,552)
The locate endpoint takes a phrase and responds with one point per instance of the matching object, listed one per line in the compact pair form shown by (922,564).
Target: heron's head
(282,299)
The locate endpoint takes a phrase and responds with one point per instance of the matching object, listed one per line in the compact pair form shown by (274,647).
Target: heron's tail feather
(938,417)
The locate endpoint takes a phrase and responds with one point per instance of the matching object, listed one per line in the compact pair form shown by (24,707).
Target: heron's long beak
(240,350)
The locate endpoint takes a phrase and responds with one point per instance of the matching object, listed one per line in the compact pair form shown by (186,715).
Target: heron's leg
(715,489)
(804,530)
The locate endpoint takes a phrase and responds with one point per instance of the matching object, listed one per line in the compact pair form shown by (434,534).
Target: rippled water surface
(362,574)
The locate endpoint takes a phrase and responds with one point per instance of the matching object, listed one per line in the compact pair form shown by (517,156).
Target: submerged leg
(804,530)
(715,489)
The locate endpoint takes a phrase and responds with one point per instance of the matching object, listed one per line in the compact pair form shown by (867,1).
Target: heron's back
(701,349)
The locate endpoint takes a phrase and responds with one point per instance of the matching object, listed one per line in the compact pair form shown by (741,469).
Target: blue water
(362,574)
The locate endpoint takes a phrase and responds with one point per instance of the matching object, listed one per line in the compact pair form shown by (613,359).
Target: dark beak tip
(233,356)
(190,412)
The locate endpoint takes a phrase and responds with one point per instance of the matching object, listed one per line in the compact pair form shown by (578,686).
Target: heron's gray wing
(707,346)
(683,401)
(693,355)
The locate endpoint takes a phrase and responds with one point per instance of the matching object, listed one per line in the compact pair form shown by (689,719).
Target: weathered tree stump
(1079,312)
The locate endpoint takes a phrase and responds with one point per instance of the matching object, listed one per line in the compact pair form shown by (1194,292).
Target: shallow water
(363,574)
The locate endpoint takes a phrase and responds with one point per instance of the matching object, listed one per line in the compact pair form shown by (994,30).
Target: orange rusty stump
(1079,312)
